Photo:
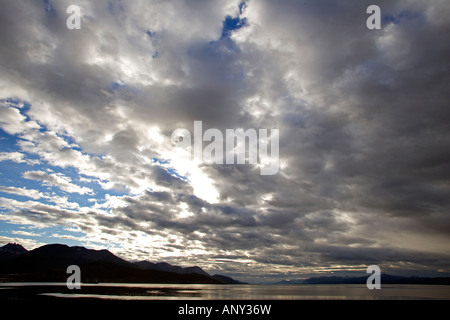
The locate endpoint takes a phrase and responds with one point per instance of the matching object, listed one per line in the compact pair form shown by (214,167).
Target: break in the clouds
(86,118)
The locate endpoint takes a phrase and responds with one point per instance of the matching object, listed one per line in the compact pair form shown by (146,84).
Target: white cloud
(36,195)
(26,233)
(30,193)
(13,122)
(57,180)
(17,157)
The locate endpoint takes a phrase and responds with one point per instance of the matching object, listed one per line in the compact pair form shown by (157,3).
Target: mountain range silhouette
(49,263)
(385,279)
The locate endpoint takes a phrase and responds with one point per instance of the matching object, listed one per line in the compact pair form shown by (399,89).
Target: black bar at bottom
(225,309)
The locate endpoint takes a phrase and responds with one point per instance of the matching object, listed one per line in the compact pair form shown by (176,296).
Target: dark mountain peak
(60,256)
(164,266)
(226,279)
(75,251)
(10,252)
(195,269)
(51,248)
(13,248)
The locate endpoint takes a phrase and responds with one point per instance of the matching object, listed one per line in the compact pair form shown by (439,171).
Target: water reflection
(121,291)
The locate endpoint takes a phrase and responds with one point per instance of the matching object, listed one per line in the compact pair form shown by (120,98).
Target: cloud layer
(87,117)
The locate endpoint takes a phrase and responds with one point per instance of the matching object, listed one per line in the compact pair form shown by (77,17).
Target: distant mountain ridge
(385,278)
(164,266)
(49,263)
(226,279)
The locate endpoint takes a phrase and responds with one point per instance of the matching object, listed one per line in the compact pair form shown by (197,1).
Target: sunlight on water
(137,291)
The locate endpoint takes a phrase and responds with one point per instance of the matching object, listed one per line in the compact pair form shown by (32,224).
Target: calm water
(123,291)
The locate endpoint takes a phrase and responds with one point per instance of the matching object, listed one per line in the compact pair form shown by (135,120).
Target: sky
(87,116)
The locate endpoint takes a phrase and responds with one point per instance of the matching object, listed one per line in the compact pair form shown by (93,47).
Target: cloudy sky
(86,118)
